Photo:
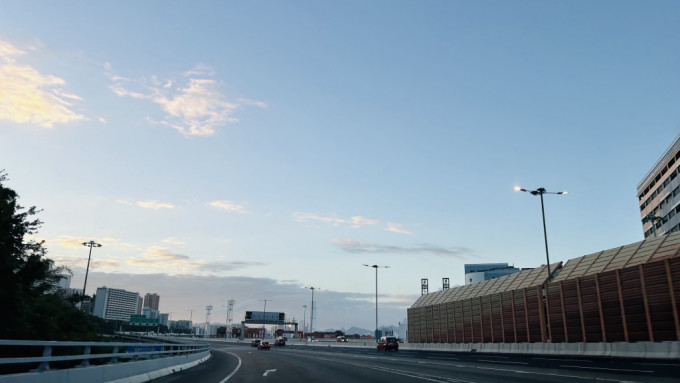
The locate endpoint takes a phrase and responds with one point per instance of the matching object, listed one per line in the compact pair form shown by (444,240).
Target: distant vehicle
(312,339)
(285,338)
(263,346)
(341,339)
(387,343)
(280,342)
(255,343)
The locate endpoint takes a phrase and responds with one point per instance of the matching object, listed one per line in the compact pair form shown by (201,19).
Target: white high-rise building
(115,304)
(659,194)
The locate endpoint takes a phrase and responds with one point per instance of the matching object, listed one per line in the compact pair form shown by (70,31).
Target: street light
(540,192)
(90,244)
(264,319)
(653,219)
(376,296)
(311,314)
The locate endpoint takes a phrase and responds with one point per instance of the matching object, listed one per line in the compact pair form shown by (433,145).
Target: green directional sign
(143,320)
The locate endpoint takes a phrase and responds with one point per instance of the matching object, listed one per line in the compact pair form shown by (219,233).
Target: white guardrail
(95,361)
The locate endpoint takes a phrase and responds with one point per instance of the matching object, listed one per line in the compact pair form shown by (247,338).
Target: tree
(32,307)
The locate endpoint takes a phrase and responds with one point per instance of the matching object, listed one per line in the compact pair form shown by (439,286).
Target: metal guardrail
(82,351)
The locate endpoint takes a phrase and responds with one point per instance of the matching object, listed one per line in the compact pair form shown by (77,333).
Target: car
(255,343)
(280,342)
(341,339)
(264,346)
(312,339)
(387,343)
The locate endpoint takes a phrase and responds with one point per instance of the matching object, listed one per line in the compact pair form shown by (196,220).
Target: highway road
(237,363)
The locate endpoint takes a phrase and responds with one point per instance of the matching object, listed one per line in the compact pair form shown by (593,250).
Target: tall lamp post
(376,267)
(265,315)
(540,192)
(90,244)
(311,314)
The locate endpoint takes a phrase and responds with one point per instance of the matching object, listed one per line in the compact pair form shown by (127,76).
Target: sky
(248,149)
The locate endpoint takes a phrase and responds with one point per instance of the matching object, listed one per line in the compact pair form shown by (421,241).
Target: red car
(387,343)
(264,346)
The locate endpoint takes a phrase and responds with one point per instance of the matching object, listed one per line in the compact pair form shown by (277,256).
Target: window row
(659,190)
(658,176)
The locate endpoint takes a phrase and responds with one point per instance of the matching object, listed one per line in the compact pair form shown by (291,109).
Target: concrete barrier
(642,350)
(128,372)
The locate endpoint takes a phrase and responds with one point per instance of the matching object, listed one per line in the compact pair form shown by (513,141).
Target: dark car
(387,343)
(255,343)
(280,342)
(264,346)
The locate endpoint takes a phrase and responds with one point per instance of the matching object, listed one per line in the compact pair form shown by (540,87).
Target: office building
(152,300)
(659,194)
(480,272)
(116,304)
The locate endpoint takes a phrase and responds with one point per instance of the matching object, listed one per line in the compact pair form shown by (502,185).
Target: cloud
(355,222)
(357,247)
(193,107)
(396,228)
(307,217)
(31,97)
(229,206)
(359,221)
(156,205)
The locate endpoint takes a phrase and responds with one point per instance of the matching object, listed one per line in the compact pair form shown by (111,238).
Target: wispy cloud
(396,228)
(193,103)
(155,205)
(357,247)
(27,96)
(229,206)
(355,222)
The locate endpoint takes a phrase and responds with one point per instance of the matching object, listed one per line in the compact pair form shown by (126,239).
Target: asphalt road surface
(239,363)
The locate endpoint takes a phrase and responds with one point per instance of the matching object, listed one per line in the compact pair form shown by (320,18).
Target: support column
(671,290)
(622,306)
(650,332)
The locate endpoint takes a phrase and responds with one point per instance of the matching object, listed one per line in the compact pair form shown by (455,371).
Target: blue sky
(241,149)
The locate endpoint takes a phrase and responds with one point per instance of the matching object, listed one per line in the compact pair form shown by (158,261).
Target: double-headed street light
(376,267)
(540,192)
(90,244)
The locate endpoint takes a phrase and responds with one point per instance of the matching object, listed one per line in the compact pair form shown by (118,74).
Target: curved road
(239,363)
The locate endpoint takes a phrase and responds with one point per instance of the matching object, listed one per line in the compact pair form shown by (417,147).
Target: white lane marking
(604,368)
(549,374)
(500,361)
(235,370)
(268,371)
(431,357)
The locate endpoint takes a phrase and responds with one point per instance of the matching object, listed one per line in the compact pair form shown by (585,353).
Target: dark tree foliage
(33,307)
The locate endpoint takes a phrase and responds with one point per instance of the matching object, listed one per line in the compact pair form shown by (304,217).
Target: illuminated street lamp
(540,192)
(376,296)
(90,244)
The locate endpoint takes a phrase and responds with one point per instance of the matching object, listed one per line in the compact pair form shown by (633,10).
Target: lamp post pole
(90,244)
(376,296)
(540,192)
(311,314)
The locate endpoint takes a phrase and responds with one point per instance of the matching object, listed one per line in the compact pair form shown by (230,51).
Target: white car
(312,339)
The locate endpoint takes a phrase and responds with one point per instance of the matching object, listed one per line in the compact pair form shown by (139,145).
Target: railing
(71,353)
